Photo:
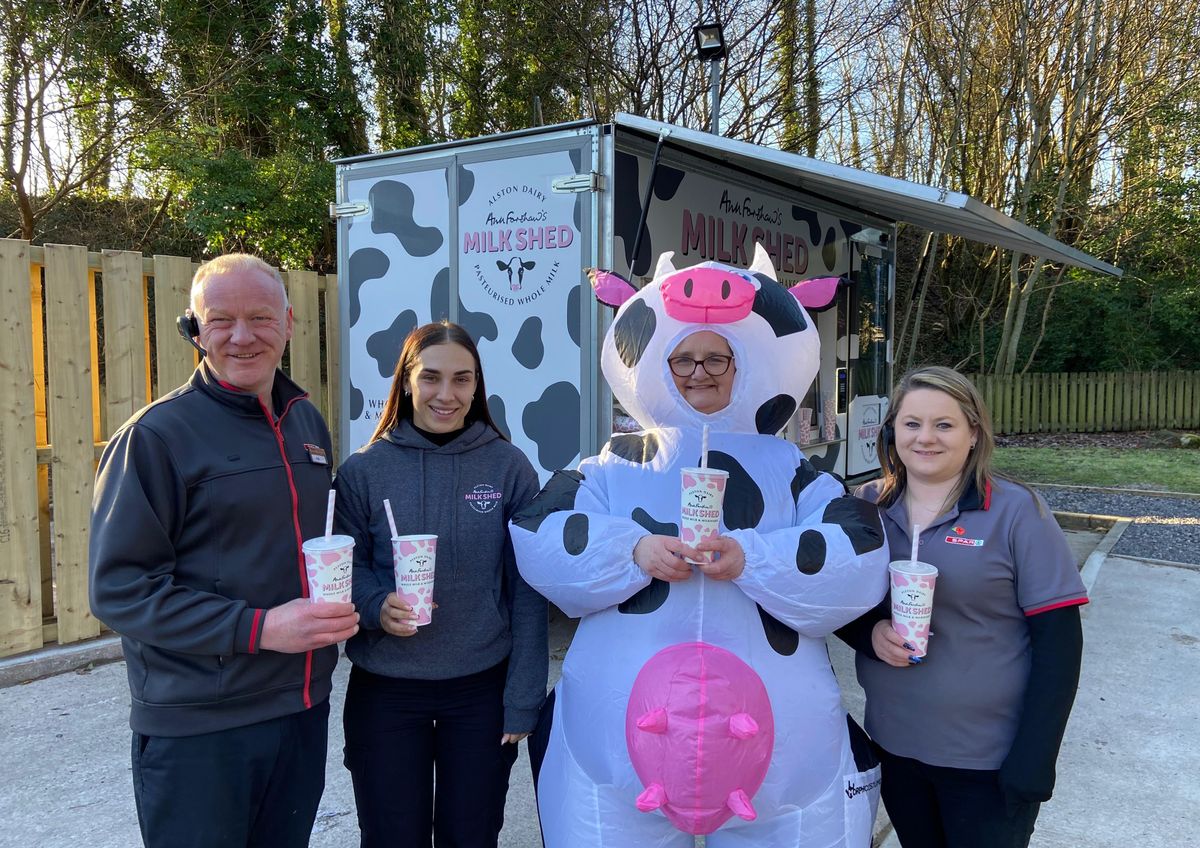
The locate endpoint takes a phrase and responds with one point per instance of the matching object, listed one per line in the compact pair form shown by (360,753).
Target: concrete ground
(1129,772)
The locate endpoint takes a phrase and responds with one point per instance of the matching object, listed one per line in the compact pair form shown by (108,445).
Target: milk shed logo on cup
(483,498)
(512,248)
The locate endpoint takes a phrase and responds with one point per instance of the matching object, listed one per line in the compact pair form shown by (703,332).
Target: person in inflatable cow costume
(700,699)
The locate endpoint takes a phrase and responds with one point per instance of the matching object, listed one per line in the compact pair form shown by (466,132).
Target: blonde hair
(978,467)
(233,263)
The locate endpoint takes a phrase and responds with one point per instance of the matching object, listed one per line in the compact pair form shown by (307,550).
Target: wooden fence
(1092,402)
(87,339)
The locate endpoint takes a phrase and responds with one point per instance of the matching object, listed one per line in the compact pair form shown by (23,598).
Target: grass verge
(1170,470)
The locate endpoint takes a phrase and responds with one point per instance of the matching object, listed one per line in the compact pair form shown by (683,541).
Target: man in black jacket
(202,501)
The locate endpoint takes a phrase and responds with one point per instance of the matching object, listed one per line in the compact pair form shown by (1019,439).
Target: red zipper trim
(277,429)
(258,614)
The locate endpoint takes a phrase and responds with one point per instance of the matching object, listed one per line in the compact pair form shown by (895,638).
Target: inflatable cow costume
(704,706)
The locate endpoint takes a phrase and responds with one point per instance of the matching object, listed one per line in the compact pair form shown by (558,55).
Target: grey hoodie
(465,492)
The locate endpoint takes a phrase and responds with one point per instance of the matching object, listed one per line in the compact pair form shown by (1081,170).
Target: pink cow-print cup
(329,563)
(700,732)
(912,601)
(414,558)
(700,499)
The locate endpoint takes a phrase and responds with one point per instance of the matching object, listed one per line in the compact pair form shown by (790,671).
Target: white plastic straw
(704,447)
(916,540)
(329,514)
(387,507)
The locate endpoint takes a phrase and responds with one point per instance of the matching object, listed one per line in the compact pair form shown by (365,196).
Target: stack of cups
(912,601)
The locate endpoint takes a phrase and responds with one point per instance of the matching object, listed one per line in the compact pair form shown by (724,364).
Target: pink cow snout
(707,296)
(700,732)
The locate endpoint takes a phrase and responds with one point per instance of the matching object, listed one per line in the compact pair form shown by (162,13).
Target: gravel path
(1163,528)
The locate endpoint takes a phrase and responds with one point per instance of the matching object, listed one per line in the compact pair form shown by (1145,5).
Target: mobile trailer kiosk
(494,233)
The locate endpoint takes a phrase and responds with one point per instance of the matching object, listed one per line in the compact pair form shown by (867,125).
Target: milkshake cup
(414,558)
(701,496)
(329,562)
(912,601)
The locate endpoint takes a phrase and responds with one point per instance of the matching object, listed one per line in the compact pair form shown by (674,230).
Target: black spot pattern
(827,462)
(356,403)
(496,408)
(805,475)
(575,534)
(639,448)
(573,313)
(859,520)
(799,213)
(365,264)
(627,212)
(782,639)
(743,506)
(479,325)
(384,346)
(849,228)
(552,421)
(466,184)
(667,182)
(527,347)
(557,495)
(829,249)
(772,415)
(633,331)
(778,307)
(651,597)
(810,552)
(860,745)
(392,205)
(439,296)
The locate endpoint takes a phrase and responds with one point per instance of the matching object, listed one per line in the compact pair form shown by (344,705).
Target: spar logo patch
(970,543)
(483,498)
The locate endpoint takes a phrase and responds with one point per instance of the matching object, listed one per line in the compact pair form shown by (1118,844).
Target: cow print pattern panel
(365,264)
(356,403)
(778,308)
(638,448)
(573,305)
(782,639)
(744,506)
(859,520)
(466,184)
(527,347)
(384,346)
(649,598)
(479,325)
(392,204)
(557,495)
(552,421)
(810,552)
(499,415)
(633,331)
(774,414)
(860,745)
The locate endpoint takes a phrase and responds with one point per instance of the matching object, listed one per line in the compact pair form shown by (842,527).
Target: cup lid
(416,537)
(909,566)
(712,472)
(327,543)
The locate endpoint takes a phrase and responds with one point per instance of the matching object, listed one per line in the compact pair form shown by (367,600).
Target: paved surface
(1129,773)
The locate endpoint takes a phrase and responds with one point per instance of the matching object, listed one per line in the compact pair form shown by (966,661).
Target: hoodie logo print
(483,498)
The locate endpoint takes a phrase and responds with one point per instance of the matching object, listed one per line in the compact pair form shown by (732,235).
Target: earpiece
(189,330)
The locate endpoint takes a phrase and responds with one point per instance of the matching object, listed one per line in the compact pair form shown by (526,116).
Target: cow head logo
(515,267)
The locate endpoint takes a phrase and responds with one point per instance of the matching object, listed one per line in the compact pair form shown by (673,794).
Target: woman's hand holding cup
(890,646)
(397,617)
(662,557)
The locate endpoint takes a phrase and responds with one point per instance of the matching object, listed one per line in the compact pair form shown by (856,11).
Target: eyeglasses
(714,366)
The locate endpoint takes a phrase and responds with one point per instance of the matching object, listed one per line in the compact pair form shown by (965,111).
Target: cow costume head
(774,342)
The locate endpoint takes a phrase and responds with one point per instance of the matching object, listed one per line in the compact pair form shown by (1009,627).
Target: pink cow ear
(816,294)
(610,287)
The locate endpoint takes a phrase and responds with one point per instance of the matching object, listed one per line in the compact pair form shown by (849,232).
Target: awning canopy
(884,197)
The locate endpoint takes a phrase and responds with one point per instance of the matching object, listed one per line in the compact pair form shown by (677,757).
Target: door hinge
(576,183)
(349,210)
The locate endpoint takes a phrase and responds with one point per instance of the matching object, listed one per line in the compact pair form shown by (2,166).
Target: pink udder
(700,731)
(707,296)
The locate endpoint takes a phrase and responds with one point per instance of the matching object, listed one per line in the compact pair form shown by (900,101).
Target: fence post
(333,358)
(20,554)
(126,344)
(306,340)
(173,358)
(70,383)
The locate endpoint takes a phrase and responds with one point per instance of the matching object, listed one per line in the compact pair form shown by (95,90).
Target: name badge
(316,454)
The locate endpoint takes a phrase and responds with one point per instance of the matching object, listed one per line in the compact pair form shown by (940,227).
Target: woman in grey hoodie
(457,694)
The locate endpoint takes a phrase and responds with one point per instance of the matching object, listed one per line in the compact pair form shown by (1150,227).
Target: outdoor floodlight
(710,41)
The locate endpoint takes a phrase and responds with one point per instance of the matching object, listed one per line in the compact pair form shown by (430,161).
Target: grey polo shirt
(999,561)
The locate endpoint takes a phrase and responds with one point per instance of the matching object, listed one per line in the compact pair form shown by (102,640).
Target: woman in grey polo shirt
(969,735)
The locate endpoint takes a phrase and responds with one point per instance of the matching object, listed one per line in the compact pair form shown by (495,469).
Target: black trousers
(937,807)
(249,787)
(401,732)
